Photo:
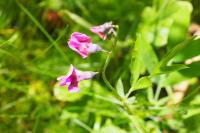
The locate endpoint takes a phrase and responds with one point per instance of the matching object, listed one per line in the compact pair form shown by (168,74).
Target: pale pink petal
(61,77)
(94,48)
(71,69)
(62,80)
(85,75)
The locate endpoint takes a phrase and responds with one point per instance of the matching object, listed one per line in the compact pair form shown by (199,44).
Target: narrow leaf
(170,55)
(172,68)
(131,100)
(142,83)
(120,88)
(136,62)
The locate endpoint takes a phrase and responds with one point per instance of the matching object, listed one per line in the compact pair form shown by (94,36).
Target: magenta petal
(80,37)
(73,88)
(79,48)
(80,43)
(83,52)
(66,79)
(98,30)
(73,77)
(103,30)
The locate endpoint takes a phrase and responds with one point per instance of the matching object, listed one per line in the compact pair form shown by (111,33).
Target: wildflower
(103,30)
(73,77)
(82,44)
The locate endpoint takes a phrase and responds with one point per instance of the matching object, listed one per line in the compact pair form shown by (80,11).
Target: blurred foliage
(149,59)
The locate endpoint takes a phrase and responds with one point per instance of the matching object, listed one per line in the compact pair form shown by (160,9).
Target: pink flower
(103,30)
(81,44)
(73,77)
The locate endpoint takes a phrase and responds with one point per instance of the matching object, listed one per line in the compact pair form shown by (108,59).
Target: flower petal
(85,75)
(62,80)
(73,87)
(80,43)
(103,30)
(78,48)
(94,48)
(80,37)
(97,30)
(71,69)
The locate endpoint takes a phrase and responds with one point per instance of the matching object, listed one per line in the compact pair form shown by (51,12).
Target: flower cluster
(82,44)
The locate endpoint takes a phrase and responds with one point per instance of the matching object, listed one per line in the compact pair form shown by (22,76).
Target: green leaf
(174,51)
(147,55)
(189,51)
(166,8)
(170,55)
(191,113)
(136,61)
(191,72)
(163,21)
(172,68)
(138,123)
(181,21)
(131,100)
(192,92)
(109,127)
(142,83)
(120,88)
(162,31)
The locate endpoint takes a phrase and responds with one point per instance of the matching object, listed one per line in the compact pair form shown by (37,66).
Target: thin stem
(150,94)
(169,91)
(104,73)
(83,125)
(157,94)
(128,109)
(129,92)
(106,64)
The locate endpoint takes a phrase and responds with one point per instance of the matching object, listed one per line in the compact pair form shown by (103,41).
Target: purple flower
(73,77)
(82,44)
(103,30)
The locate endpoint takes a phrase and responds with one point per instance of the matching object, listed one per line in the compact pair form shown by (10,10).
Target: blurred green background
(34,52)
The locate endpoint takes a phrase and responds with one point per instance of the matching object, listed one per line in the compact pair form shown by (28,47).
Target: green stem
(106,64)
(104,73)
(128,109)
(129,92)
(83,125)
(157,94)
(150,95)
